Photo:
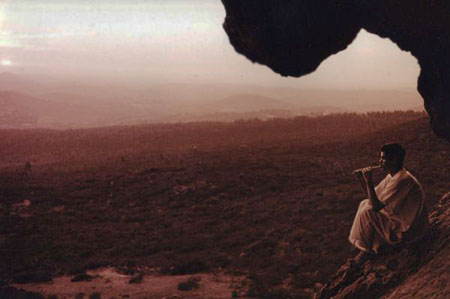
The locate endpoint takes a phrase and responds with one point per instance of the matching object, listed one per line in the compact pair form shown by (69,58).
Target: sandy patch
(110,284)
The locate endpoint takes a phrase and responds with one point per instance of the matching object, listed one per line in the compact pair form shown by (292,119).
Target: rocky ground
(418,270)
(111,283)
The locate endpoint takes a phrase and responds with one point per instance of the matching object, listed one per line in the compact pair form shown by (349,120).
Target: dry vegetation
(270,199)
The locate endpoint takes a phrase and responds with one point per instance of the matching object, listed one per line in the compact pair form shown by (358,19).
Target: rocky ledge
(417,270)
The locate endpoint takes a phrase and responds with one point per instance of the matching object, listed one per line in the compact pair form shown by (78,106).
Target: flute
(370,167)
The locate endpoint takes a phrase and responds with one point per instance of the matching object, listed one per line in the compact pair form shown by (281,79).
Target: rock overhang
(293,37)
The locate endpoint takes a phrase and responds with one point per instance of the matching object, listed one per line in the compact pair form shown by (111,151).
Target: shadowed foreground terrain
(272,200)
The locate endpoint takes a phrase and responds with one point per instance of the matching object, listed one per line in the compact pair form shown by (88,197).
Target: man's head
(392,156)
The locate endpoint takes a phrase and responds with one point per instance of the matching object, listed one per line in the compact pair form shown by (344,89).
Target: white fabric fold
(404,212)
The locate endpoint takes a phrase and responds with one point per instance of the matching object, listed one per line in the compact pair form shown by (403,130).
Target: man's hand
(367,174)
(361,181)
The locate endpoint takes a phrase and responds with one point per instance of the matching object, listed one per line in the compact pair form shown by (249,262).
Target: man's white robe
(403,218)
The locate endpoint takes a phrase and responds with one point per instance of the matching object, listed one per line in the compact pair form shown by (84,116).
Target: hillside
(35,102)
(16,110)
(247,103)
(21,110)
(270,200)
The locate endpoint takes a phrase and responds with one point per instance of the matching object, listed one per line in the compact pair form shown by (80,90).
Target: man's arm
(361,181)
(370,188)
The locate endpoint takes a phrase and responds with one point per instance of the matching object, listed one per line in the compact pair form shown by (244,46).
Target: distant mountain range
(247,103)
(27,102)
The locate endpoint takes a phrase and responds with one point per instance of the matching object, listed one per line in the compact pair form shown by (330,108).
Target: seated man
(395,209)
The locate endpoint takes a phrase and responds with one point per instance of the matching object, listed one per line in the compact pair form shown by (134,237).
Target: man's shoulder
(414,182)
(409,176)
(406,179)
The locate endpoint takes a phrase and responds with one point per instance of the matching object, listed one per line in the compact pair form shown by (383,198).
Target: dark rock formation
(376,277)
(293,37)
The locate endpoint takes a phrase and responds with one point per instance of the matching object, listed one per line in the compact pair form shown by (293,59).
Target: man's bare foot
(363,256)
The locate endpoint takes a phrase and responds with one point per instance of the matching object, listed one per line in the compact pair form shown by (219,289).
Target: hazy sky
(170,41)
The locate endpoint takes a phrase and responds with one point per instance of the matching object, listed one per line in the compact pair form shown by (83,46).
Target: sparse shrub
(191,284)
(136,278)
(79,296)
(190,267)
(78,269)
(29,277)
(82,277)
(264,293)
(96,264)
(95,295)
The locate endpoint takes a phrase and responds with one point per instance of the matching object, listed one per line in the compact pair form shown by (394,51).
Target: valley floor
(269,200)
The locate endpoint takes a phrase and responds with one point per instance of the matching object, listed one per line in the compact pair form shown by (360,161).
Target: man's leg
(370,229)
